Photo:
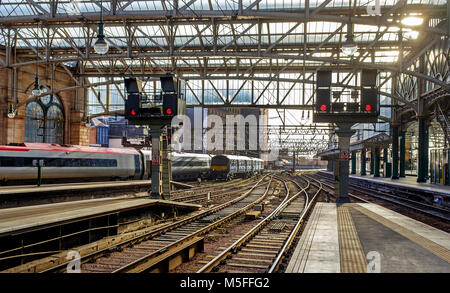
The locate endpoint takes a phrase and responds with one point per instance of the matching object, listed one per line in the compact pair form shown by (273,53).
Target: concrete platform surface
(365,237)
(407,182)
(22,218)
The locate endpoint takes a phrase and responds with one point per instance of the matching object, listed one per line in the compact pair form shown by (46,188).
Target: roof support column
(402,153)
(387,165)
(372,160)
(422,170)
(363,162)
(395,152)
(354,162)
(376,163)
(344,133)
(330,165)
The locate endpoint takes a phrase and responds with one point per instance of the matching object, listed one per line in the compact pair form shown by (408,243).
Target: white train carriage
(190,166)
(68,162)
(258,165)
(184,166)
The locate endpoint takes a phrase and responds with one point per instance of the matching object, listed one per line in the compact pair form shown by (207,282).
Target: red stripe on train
(57,148)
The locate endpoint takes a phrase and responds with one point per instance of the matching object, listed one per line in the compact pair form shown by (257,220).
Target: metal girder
(294,130)
(355,64)
(307,146)
(38,7)
(297,15)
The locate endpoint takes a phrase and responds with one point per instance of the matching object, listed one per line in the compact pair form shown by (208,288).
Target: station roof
(234,30)
(380,140)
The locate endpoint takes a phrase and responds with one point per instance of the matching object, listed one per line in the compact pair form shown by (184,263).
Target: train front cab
(222,167)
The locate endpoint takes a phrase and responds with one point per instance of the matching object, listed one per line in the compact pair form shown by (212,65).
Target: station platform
(408,182)
(38,217)
(365,237)
(26,195)
(21,189)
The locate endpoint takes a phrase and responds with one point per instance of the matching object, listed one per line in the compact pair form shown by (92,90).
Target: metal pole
(39,175)
(395,152)
(293,162)
(448,166)
(372,161)
(155,133)
(387,171)
(363,162)
(344,133)
(376,163)
(422,152)
(402,153)
(354,162)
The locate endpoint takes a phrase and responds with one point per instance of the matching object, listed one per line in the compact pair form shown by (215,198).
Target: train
(229,166)
(82,163)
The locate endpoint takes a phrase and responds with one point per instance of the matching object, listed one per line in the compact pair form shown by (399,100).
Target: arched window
(45,120)
(33,131)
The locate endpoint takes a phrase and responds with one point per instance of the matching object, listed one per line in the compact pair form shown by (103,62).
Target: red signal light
(169,111)
(368,108)
(323,107)
(133,112)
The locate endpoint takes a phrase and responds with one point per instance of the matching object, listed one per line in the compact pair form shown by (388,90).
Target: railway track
(358,192)
(207,186)
(216,195)
(233,188)
(264,247)
(146,252)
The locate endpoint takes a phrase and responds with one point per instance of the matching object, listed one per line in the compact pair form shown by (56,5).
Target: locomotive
(229,166)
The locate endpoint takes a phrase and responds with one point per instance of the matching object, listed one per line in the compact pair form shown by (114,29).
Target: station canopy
(255,53)
(231,35)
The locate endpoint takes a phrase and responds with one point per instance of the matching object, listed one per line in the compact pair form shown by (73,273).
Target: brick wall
(13,130)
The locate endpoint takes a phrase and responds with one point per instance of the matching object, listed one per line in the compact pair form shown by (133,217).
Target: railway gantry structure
(246,54)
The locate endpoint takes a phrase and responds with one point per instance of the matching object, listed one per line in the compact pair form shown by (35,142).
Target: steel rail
(158,231)
(214,193)
(398,201)
(135,266)
(209,187)
(332,188)
(294,232)
(243,239)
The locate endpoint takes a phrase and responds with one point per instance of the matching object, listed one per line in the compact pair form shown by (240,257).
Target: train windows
(7,162)
(57,162)
(189,162)
(137,165)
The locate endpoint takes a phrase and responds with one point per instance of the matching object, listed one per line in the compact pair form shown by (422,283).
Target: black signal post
(156,112)
(345,111)
(39,164)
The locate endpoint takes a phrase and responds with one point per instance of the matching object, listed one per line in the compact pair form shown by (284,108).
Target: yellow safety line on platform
(352,255)
(429,245)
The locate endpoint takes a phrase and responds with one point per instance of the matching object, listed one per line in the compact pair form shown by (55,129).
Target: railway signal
(155,111)
(323,90)
(345,107)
